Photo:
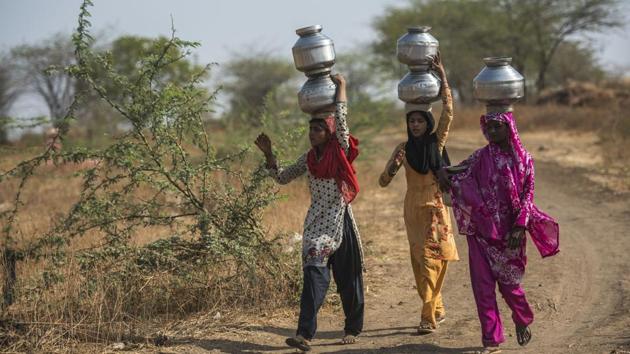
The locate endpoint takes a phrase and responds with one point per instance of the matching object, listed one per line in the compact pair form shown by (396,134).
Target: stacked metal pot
(314,55)
(498,85)
(420,86)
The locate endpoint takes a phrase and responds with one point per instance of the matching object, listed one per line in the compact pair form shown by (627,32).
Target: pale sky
(225,27)
(222,27)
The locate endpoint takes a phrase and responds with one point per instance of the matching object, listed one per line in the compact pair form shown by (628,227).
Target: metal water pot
(498,85)
(313,53)
(317,93)
(421,86)
(415,46)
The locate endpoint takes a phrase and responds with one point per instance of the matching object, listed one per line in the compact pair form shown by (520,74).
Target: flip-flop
(349,339)
(523,335)
(298,342)
(425,328)
(440,319)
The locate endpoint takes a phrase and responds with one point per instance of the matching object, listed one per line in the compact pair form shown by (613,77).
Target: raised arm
(341,112)
(392,166)
(447,104)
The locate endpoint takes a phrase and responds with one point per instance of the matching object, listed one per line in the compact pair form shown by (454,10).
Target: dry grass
(530,118)
(611,124)
(101,305)
(136,306)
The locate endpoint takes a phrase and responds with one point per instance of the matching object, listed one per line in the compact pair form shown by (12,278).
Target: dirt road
(581,297)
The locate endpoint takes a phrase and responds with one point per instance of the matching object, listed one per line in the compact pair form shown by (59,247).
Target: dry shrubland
(108,307)
(175,216)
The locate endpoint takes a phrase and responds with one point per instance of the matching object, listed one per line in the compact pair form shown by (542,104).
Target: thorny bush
(163,173)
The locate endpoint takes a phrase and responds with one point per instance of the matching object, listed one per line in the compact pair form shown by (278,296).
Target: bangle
(392,170)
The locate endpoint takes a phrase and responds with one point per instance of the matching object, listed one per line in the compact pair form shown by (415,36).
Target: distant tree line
(547,40)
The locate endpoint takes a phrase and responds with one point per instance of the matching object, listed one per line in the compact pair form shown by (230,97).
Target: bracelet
(391,171)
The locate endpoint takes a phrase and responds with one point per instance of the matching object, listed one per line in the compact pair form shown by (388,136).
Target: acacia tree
(572,62)
(553,22)
(41,67)
(252,79)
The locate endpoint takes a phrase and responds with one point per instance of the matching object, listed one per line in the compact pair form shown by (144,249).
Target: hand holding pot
(437,66)
(340,81)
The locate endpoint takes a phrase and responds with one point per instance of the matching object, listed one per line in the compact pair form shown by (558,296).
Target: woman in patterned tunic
(427,219)
(331,238)
(493,202)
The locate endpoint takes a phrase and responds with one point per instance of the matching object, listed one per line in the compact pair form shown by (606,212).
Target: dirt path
(581,297)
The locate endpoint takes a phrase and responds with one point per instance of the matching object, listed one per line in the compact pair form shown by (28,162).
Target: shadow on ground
(329,340)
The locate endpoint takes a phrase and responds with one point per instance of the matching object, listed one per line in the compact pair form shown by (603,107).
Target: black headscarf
(422,153)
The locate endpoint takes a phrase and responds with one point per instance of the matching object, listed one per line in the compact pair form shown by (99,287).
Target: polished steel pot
(421,86)
(313,53)
(416,46)
(498,85)
(317,92)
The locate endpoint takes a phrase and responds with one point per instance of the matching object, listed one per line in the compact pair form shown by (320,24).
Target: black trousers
(346,268)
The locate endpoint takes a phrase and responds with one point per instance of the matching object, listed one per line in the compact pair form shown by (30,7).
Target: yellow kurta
(427,219)
(428,224)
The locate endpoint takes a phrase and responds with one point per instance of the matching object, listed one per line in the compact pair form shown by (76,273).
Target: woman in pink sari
(493,202)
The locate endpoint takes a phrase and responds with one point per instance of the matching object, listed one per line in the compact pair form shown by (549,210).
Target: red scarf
(336,164)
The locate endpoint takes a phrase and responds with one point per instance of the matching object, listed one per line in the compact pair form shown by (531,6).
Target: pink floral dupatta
(496,193)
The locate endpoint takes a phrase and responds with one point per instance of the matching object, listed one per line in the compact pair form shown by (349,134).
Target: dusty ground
(581,297)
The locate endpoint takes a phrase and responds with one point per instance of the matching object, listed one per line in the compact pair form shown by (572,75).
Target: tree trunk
(540,81)
(4,136)
(9,259)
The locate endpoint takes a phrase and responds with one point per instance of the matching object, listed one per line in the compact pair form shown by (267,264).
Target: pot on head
(313,53)
(498,85)
(419,87)
(317,93)
(417,46)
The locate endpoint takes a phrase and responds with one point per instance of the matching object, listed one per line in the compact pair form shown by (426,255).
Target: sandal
(298,342)
(349,339)
(523,335)
(425,328)
(440,319)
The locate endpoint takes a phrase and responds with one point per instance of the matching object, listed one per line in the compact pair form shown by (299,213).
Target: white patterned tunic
(323,226)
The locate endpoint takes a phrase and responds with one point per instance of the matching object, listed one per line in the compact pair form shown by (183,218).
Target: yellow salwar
(429,279)
(428,225)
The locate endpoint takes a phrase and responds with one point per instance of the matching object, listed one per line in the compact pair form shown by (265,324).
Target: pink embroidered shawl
(496,193)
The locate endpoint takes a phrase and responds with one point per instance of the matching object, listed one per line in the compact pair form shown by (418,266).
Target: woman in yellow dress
(427,220)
